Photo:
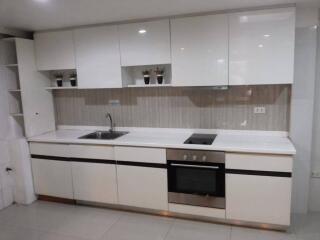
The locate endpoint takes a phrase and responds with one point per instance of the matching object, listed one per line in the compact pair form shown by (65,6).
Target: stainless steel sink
(104,135)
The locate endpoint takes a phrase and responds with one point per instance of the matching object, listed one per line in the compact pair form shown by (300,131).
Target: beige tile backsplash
(178,107)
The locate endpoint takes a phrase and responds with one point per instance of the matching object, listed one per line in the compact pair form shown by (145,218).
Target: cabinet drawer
(199,211)
(135,154)
(50,149)
(260,162)
(91,152)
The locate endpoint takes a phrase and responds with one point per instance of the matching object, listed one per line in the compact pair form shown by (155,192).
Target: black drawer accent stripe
(50,158)
(259,173)
(87,160)
(142,164)
(64,159)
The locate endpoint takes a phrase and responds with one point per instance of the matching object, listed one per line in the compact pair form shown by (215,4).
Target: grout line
(170,228)
(114,223)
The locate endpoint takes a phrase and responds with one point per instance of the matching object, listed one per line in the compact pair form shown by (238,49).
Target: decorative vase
(146,79)
(160,78)
(73,81)
(59,82)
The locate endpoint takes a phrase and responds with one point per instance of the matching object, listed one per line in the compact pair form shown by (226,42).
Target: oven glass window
(195,181)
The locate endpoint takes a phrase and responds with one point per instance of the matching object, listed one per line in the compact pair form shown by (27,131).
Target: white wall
(6,181)
(302,104)
(314,200)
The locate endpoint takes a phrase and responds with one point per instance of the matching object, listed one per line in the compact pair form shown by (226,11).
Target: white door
(262,47)
(145,43)
(200,51)
(54,50)
(95,182)
(261,199)
(52,178)
(142,187)
(98,57)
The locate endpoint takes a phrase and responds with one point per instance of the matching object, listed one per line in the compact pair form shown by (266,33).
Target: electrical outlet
(259,110)
(315,174)
(114,102)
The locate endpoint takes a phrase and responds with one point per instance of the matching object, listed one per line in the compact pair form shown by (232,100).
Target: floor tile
(17,233)
(191,230)
(241,233)
(134,226)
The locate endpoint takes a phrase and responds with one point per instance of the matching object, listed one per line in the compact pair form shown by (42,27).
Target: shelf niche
(132,76)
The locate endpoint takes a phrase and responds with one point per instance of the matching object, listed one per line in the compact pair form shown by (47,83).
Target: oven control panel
(195,155)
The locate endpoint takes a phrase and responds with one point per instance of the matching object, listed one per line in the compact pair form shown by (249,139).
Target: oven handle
(193,166)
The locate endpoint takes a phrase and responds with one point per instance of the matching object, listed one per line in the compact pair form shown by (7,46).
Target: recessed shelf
(11,65)
(9,39)
(62,88)
(14,90)
(149,85)
(16,114)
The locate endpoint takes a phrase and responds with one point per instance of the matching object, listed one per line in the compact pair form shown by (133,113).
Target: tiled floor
(51,221)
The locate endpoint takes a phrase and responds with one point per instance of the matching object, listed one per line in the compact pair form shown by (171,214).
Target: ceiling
(36,15)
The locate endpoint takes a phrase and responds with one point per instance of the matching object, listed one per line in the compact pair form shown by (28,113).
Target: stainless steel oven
(196,177)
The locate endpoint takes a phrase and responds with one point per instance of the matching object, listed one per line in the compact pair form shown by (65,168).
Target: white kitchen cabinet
(145,43)
(200,50)
(98,57)
(52,178)
(143,187)
(95,182)
(261,199)
(262,47)
(38,109)
(54,50)
(258,188)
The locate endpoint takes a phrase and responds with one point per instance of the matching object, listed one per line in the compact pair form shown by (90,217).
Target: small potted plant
(73,79)
(159,73)
(59,77)
(146,76)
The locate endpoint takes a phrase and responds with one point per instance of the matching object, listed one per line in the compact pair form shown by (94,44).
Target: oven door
(196,183)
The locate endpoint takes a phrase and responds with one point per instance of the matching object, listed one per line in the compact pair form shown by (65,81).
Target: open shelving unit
(9,61)
(133,78)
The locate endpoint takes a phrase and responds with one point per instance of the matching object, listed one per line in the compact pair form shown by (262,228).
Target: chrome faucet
(108,115)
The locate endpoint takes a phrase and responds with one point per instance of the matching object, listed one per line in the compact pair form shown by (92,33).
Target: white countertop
(227,140)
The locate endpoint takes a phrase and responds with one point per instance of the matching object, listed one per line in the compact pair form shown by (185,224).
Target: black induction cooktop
(202,139)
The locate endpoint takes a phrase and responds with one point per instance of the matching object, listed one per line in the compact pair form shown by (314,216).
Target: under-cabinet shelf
(14,90)
(9,39)
(61,88)
(11,65)
(148,85)
(16,114)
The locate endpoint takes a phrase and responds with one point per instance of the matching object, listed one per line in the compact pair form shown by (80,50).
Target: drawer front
(91,152)
(135,154)
(199,211)
(50,149)
(259,162)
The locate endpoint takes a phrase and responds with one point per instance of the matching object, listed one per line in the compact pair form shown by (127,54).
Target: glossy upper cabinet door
(98,57)
(145,43)
(54,50)
(200,51)
(262,47)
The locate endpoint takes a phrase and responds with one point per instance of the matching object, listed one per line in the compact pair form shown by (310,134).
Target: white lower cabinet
(52,178)
(262,199)
(143,187)
(95,182)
